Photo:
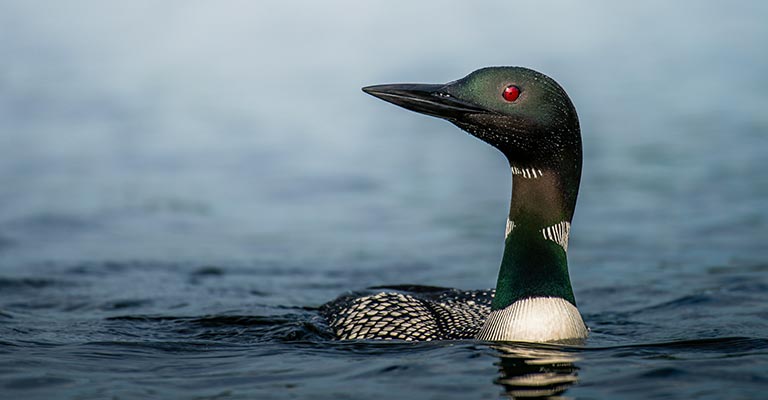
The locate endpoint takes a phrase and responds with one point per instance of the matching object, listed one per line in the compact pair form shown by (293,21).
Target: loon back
(409,313)
(530,119)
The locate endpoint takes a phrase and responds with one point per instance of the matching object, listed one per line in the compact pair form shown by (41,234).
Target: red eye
(511,93)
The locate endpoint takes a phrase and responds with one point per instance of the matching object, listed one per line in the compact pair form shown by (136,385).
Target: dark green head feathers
(537,128)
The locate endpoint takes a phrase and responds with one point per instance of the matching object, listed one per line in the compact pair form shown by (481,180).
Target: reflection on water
(540,372)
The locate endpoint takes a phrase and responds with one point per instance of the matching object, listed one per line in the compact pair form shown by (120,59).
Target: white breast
(536,319)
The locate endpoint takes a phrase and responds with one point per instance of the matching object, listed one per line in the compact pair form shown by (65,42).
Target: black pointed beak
(427,99)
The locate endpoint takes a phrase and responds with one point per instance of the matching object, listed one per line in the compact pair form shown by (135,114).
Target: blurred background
(197,131)
(196,158)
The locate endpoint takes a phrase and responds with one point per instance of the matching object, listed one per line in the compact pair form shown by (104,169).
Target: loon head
(522,112)
(530,119)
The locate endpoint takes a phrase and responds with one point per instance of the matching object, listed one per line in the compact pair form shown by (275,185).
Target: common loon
(530,119)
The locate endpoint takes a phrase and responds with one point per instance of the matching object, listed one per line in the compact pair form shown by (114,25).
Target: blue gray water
(184,182)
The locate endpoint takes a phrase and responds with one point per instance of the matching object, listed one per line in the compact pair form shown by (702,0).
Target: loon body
(409,313)
(530,119)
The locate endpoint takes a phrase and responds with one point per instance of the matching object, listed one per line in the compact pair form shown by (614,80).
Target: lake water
(184,182)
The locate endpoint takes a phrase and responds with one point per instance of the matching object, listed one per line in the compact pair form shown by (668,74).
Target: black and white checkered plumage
(409,313)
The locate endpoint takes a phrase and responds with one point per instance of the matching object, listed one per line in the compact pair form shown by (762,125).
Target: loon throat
(530,119)
(534,300)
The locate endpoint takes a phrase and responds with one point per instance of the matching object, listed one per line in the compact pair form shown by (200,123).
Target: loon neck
(535,260)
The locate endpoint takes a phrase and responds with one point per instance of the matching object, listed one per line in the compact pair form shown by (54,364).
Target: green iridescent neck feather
(535,261)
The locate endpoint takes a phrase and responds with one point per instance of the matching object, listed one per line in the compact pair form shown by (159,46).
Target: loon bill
(531,120)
